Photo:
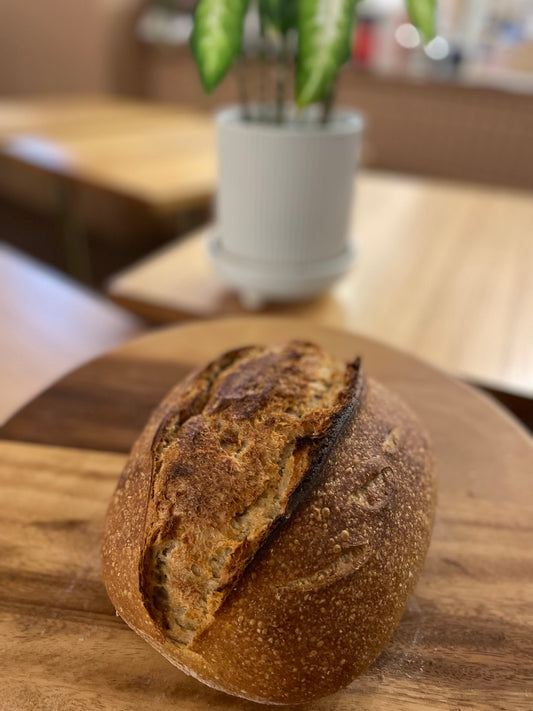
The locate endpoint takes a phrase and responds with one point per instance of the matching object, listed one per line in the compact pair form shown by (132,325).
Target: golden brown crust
(325,589)
(225,463)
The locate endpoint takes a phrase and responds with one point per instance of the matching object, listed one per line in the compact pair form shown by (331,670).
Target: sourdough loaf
(270,523)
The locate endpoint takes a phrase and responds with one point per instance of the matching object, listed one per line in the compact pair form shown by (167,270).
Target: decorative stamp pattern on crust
(344,565)
(378,489)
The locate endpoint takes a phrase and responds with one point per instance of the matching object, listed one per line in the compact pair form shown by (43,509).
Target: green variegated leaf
(325,35)
(422,14)
(281,15)
(217,37)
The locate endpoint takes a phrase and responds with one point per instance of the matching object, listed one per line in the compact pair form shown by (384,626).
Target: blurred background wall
(57,46)
(460,108)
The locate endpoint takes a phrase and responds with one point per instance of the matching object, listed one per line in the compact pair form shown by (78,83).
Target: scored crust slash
(271,522)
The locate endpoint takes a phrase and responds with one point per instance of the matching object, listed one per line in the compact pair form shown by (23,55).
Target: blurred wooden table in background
(159,156)
(444,271)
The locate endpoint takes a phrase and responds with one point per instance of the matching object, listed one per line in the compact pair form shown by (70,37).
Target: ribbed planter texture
(284,205)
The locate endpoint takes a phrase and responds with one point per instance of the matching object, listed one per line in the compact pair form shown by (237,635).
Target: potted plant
(285,168)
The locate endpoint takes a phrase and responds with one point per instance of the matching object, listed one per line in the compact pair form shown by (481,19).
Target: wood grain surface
(442,271)
(465,641)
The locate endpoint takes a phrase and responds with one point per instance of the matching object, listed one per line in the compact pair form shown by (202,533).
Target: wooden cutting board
(465,641)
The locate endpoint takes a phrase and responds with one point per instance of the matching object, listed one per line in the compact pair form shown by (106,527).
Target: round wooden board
(465,641)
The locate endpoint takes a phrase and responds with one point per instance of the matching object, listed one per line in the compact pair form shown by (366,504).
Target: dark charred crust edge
(323,444)
(315,473)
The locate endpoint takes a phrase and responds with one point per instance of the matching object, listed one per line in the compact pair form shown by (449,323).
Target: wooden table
(465,641)
(444,271)
(160,156)
(49,325)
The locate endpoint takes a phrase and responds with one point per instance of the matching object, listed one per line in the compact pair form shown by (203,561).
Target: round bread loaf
(270,523)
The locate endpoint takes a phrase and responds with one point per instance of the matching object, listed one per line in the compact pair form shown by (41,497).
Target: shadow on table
(521,407)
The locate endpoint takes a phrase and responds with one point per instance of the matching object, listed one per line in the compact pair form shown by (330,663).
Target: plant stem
(262,70)
(327,105)
(281,79)
(242,89)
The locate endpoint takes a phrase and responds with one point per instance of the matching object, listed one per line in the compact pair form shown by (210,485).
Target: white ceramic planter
(284,205)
